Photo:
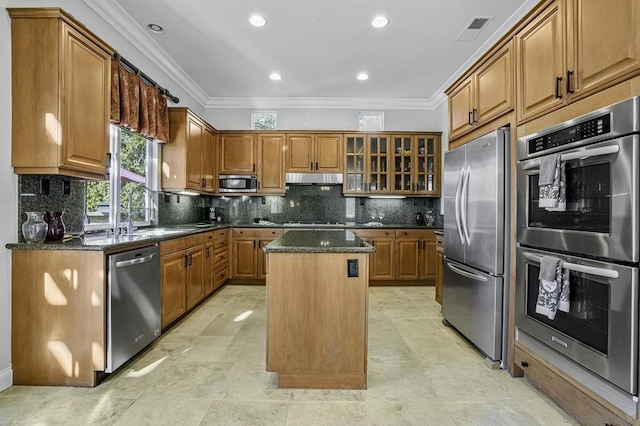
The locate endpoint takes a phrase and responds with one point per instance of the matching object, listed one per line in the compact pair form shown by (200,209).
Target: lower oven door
(600,331)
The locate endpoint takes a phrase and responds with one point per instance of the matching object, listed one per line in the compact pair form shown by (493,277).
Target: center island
(317,308)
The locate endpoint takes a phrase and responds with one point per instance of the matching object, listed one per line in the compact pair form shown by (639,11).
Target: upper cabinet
(189,157)
(308,153)
(367,164)
(486,94)
(573,49)
(61,95)
(271,164)
(237,154)
(416,164)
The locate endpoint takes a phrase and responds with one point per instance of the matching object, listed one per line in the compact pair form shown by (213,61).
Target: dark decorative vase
(56,225)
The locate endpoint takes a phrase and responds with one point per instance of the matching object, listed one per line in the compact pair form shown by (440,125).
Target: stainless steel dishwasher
(133,305)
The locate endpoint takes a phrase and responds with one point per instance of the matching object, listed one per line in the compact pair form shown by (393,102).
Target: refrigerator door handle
(457,205)
(467,274)
(463,209)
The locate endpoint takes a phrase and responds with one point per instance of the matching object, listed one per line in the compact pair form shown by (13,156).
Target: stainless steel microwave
(238,183)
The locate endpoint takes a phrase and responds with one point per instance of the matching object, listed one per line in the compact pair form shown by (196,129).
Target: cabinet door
(85,69)
(407,258)
(606,43)
(208,268)
(172,282)
(237,154)
(428,260)
(378,181)
(460,109)
(402,167)
(439,274)
(354,181)
(494,86)
(539,64)
(328,154)
(270,164)
(261,256)
(194,145)
(382,262)
(208,160)
(427,165)
(300,153)
(195,275)
(244,257)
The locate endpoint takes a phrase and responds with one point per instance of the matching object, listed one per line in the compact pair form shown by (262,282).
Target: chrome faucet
(130,228)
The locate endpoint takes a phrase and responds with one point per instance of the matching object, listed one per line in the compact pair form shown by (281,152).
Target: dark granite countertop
(318,241)
(98,242)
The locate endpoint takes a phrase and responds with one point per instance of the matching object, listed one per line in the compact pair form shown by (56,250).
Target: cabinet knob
(524,364)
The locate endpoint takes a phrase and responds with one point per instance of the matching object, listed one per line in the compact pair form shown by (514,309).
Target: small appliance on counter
(420,219)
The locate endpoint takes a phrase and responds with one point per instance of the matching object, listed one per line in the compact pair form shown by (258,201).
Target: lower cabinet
(382,263)
(416,254)
(220,263)
(182,264)
(248,257)
(439,267)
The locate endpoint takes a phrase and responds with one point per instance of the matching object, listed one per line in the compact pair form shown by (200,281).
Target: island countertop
(325,241)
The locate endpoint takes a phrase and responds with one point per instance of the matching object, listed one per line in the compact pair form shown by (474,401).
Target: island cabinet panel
(58,317)
(317,320)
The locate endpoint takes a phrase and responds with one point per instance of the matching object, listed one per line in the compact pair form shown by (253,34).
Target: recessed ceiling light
(380,21)
(275,76)
(362,76)
(257,20)
(155,28)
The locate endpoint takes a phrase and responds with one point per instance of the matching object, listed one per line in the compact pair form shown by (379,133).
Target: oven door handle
(579,155)
(592,270)
(467,274)
(457,204)
(463,209)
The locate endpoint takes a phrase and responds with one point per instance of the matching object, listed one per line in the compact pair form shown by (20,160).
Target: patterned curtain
(138,106)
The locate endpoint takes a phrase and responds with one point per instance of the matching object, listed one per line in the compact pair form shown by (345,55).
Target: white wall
(328,119)
(9,188)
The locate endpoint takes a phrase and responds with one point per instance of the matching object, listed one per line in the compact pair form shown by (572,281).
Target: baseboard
(6,378)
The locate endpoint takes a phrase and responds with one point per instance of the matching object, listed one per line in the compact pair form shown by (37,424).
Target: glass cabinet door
(378,164)
(402,164)
(427,158)
(355,157)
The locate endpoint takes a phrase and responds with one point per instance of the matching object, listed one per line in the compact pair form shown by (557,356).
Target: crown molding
(116,17)
(324,103)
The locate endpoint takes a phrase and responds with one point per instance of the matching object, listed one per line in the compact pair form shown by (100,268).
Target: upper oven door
(600,329)
(601,217)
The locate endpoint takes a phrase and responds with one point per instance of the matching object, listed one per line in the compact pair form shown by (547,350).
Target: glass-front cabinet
(402,164)
(416,164)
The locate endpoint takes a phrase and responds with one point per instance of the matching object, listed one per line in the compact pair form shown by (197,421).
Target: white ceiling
(317,46)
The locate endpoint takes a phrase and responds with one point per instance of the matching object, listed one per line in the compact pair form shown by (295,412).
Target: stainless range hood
(313,178)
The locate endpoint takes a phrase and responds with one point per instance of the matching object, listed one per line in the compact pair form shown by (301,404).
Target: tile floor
(209,370)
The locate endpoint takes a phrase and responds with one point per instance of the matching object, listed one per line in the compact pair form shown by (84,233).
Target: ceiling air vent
(473,28)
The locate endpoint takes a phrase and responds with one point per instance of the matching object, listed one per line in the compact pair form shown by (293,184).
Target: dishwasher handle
(137,261)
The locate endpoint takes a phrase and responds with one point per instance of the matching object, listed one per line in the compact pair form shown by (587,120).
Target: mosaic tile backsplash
(301,204)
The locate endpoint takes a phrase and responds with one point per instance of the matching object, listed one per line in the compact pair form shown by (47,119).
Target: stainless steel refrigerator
(476,242)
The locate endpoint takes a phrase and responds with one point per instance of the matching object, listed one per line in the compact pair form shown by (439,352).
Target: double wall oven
(596,237)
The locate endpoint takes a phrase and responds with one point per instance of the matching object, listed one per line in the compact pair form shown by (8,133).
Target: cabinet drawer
(374,233)
(170,246)
(219,244)
(220,256)
(220,276)
(220,234)
(416,233)
(208,236)
(252,232)
(439,242)
(195,240)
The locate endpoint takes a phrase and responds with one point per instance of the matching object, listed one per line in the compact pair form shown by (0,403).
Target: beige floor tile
(327,413)
(264,413)
(155,412)
(408,413)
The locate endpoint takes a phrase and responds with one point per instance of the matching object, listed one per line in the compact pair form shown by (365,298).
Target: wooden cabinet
(381,263)
(367,164)
(182,275)
(416,255)
(220,257)
(188,158)
(271,164)
(237,153)
(416,164)
(61,95)
(314,153)
(248,257)
(439,266)
(573,49)
(486,94)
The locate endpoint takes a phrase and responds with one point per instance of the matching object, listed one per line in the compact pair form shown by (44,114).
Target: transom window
(264,120)
(371,121)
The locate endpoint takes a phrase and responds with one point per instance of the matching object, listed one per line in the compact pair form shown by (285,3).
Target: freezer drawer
(472,303)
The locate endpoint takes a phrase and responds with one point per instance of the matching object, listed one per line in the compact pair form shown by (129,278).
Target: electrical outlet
(44,186)
(66,187)
(167,198)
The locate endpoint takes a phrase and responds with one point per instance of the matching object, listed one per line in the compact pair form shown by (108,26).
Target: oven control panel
(576,132)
